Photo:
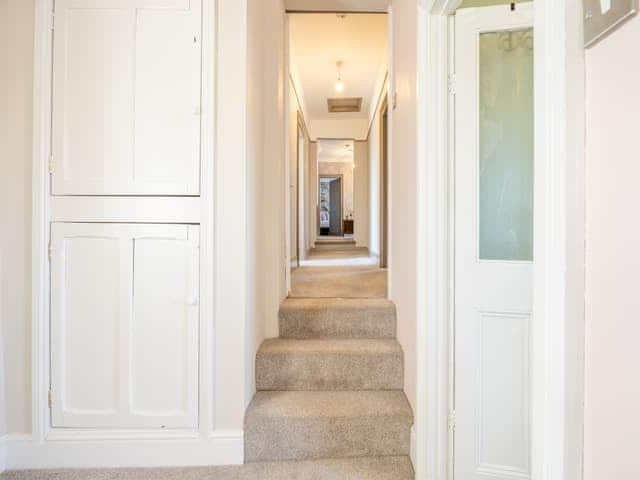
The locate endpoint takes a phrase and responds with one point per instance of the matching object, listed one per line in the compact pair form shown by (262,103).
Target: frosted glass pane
(506,146)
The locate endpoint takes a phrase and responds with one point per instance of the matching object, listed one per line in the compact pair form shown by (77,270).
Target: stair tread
(336,303)
(337,318)
(330,346)
(330,404)
(362,468)
(301,425)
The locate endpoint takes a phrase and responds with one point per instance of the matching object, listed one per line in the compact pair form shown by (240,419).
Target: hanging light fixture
(339,82)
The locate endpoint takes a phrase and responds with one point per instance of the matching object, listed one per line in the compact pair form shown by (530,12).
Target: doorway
(337,68)
(494,134)
(331,195)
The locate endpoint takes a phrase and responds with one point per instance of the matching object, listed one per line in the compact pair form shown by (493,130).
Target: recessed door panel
(124,325)
(167,99)
(165,301)
(126,97)
(493,241)
(87,304)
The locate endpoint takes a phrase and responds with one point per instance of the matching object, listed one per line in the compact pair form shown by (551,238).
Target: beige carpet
(330,404)
(339,282)
(381,468)
(331,385)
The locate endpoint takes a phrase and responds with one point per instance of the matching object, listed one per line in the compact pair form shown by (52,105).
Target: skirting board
(22,453)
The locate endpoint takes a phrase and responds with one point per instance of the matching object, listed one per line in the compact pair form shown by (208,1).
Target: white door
(494,241)
(124,325)
(126,97)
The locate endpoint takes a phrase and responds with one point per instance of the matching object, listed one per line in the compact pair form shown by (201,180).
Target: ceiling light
(339,82)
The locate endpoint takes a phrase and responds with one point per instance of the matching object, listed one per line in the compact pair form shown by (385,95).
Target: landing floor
(339,272)
(380,468)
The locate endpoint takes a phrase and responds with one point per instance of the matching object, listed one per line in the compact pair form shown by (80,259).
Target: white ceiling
(318,41)
(335,151)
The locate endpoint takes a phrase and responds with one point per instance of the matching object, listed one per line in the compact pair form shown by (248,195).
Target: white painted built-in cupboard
(125,235)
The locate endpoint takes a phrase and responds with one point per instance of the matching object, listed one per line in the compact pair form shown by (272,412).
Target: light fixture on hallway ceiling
(339,82)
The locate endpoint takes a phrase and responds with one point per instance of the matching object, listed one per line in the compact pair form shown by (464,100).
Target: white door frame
(558,312)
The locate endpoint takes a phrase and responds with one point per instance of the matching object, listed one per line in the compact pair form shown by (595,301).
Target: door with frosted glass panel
(493,241)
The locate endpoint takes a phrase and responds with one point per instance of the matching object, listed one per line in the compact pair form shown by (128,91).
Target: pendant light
(339,82)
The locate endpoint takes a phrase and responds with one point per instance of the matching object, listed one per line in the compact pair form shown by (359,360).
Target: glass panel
(506,146)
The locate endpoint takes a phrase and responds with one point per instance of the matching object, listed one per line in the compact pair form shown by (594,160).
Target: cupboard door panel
(124,325)
(126,97)
(167,100)
(165,302)
(86,313)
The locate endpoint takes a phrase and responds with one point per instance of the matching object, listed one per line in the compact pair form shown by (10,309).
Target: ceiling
(335,151)
(338,5)
(318,41)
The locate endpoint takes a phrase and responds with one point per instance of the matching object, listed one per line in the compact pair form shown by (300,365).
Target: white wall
(402,178)
(3,369)
(612,390)
(16,60)
(355,128)
(294,108)
(374,177)
(255,188)
(361,193)
(273,157)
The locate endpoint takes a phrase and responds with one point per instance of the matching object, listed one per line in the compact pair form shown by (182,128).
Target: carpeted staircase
(330,387)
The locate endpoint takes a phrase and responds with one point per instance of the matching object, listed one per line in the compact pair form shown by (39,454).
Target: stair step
(329,364)
(313,425)
(337,318)
(364,468)
(335,241)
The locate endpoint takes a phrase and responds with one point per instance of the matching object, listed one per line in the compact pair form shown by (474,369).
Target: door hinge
(50,399)
(451,420)
(52,21)
(51,165)
(49,251)
(452,84)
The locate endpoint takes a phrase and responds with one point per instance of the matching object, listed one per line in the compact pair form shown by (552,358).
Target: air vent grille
(344,105)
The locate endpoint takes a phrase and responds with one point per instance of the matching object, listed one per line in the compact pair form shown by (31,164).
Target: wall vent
(344,105)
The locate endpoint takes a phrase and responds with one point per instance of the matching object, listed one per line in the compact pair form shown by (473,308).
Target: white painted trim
(558,334)
(434,230)
(40,218)
(119,209)
(558,321)
(219,389)
(206,403)
(223,448)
